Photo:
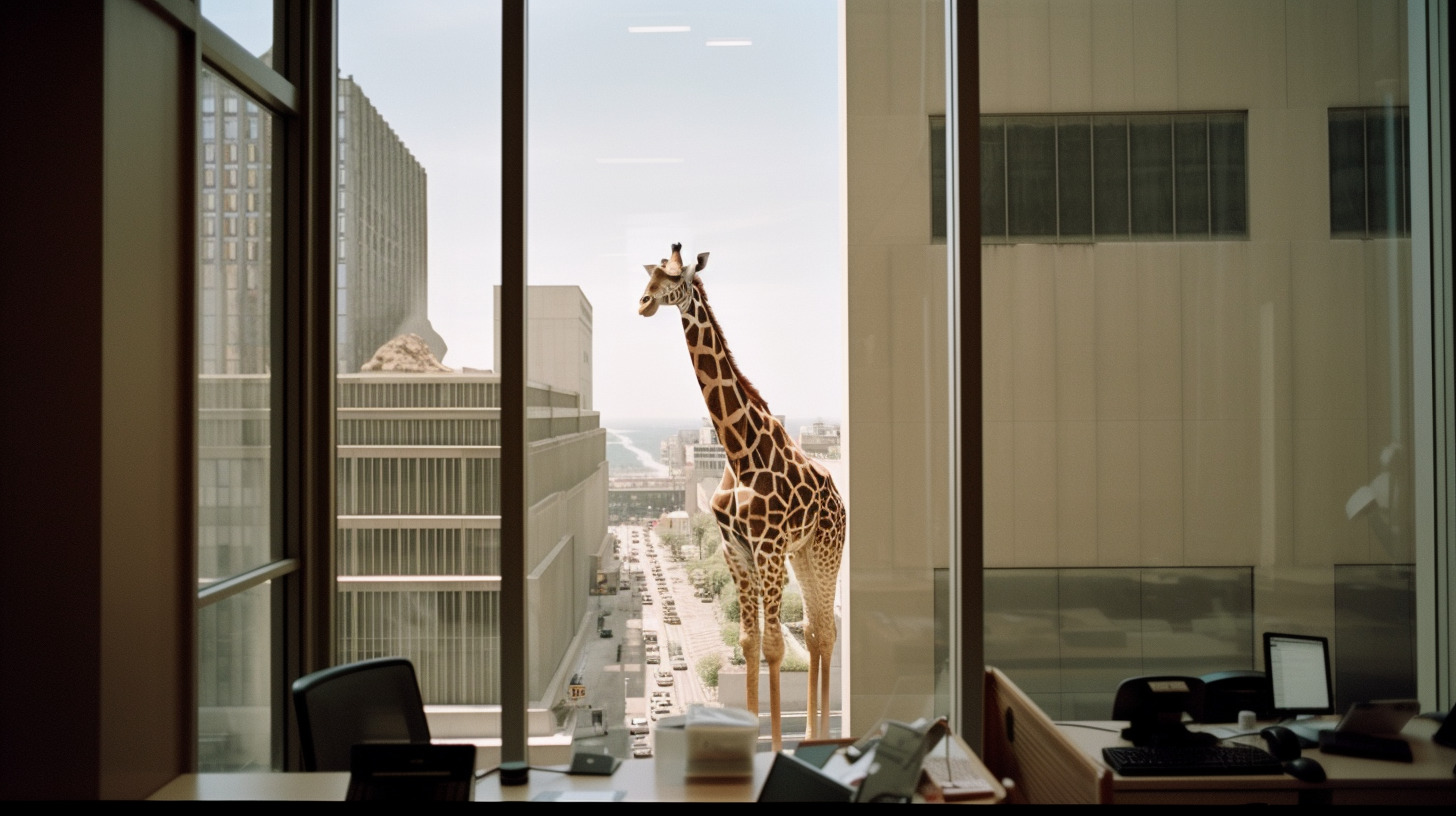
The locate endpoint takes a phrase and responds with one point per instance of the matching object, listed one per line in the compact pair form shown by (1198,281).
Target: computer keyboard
(1191,760)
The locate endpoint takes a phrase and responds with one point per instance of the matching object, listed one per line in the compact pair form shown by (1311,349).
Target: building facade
(418,542)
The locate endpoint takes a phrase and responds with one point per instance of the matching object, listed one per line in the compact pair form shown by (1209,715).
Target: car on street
(637,725)
(654,657)
(604,633)
(642,751)
(679,664)
(664,677)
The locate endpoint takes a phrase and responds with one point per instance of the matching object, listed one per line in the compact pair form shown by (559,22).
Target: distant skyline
(715,125)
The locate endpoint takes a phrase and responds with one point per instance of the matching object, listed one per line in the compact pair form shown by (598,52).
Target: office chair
(369,701)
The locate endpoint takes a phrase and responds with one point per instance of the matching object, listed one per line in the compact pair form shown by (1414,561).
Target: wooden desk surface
(1429,779)
(639,780)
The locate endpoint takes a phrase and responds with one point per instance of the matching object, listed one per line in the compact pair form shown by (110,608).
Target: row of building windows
(450,636)
(418,551)
(361,393)
(413,431)
(1183,176)
(419,486)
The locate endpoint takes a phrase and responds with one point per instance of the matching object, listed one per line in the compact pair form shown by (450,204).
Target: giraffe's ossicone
(775,505)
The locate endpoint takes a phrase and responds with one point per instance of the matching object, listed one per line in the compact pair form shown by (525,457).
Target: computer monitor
(1299,674)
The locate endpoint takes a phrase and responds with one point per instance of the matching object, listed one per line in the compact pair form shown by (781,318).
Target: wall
(96,595)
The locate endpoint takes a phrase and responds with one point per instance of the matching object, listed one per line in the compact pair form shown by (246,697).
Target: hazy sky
(724,136)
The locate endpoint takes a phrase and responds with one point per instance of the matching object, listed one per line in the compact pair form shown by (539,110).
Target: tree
(704,535)
(673,541)
(708,667)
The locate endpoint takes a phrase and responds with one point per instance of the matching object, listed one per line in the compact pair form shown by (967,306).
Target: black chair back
(369,701)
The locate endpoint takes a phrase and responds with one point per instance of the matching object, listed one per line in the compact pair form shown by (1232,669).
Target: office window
(241,571)
(575,394)
(1369,172)
(1232,424)
(1105,177)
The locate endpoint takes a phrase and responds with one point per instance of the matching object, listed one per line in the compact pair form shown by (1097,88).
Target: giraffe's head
(669,282)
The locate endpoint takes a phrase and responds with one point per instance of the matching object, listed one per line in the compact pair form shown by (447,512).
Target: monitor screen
(1299,673)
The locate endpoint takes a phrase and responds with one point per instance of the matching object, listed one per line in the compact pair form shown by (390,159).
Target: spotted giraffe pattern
(773,504)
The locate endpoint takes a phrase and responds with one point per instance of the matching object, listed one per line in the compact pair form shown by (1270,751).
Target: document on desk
(580,796)
(894,773)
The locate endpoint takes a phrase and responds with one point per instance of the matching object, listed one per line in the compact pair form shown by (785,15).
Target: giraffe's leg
(745,580)
(748,642)
(817,569)
(772,582)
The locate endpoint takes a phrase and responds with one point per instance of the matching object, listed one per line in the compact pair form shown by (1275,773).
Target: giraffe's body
(775,504)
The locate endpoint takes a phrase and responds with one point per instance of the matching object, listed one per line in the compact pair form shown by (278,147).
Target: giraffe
(774,502)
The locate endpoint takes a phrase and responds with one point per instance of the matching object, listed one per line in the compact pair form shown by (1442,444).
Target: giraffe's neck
(734,405)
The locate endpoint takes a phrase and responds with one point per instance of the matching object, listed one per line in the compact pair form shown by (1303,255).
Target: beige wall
(98,586)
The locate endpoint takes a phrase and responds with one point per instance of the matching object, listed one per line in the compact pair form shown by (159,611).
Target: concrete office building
(419,528)
(383,269)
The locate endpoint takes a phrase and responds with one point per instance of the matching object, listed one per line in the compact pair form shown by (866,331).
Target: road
(614,670)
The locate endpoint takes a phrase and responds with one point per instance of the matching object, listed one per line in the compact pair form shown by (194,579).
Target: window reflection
(1161,414)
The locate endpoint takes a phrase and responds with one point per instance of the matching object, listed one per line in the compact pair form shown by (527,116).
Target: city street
(618,679)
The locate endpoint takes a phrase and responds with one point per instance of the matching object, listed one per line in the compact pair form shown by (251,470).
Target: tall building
(419,527)
(382,265)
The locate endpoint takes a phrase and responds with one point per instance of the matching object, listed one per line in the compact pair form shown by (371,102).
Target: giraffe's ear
(649,268)
(702,262)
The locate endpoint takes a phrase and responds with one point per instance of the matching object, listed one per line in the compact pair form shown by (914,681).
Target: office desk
(1351,780)
(640,780)
(637,778)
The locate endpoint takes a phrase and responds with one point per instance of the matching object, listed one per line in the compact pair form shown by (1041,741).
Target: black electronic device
(1226,693)
(411,772)
(793,780)
(1282,742)
(585,762)
(1190,760)
(1154,709)
(1305,769)
(1368,746)
(1446,734)
(1298,667)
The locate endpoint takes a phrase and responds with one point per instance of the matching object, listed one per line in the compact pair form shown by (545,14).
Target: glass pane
(248,22)
(1190,157)
(717,127)
(234,319)
(1031,177)
(1190,444)
(1385,134)
(1074,176)
(1150,162)
(993,177)
(1228,174)
(418,417)
(235,683)
(1109,176)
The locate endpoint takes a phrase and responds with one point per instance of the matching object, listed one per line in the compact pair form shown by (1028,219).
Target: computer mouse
(1283,743)
(1305,769)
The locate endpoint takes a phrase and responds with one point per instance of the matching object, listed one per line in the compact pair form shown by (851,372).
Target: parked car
(652,657)
(642,751)
(664,677)
(637,725)
(604,633)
